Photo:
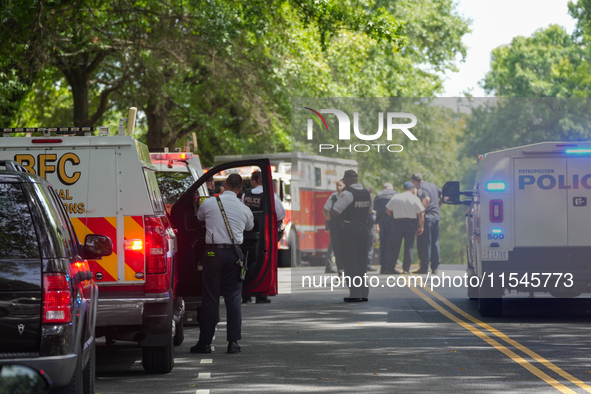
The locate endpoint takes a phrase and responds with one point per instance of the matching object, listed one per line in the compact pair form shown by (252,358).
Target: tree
(547,64)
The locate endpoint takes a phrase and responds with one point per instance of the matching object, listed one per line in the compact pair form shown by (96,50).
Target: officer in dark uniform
(353,208)
(220,271)
(385,223)
(334,227)
(253,198)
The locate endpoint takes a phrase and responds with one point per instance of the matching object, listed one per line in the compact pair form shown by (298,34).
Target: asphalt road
(405,339)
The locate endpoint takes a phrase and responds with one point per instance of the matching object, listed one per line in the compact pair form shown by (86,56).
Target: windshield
(173,185)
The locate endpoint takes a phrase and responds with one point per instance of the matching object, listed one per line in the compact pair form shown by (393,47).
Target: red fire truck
(304,183)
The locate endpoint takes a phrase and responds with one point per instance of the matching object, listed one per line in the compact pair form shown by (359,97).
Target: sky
(494,23)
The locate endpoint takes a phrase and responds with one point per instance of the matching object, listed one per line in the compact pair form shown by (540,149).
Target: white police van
(528,224)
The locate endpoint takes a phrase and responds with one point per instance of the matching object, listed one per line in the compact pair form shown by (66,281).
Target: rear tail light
(156,245)
(57,301)
(496,211)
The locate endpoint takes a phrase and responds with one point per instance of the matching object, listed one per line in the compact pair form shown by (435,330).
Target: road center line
(515,344)
(204,375)
(207,361)
(503,349)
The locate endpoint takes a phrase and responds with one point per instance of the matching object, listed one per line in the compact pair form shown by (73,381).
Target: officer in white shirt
(408,215)
(220,271)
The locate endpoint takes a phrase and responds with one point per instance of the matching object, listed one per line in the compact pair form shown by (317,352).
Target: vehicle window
(317,177)
(173,185)
(154,191)
(18,239)
(62,214)
(54,225)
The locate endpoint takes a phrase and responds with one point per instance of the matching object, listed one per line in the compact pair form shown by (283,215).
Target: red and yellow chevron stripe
(133,229)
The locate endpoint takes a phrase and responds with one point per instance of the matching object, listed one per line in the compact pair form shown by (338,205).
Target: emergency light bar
(56,130)
(171,156)
(496,186)
(569,150)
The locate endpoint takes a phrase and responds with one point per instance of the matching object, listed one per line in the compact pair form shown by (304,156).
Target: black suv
(47,292)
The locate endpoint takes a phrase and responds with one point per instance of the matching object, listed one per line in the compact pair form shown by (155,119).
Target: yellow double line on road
(425,295)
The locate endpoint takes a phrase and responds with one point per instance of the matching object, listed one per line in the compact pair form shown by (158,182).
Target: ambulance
(303,183)
(528,223)
(108,185)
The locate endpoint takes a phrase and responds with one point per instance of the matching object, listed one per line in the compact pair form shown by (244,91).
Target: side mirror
(20,379)
(96,246)
(450,194)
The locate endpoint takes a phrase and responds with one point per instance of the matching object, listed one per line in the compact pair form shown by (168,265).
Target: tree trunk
(156,114)
(80,95)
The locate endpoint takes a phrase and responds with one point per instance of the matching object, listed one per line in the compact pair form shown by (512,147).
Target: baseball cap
(350,173)
(408,185)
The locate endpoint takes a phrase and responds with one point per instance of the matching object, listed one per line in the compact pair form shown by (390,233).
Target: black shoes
(355,299)
(371,269)
(246,300)
(395,272)
(234,347)
(201,348)
(434,272)
(420,271)
(263,300)
(406,273)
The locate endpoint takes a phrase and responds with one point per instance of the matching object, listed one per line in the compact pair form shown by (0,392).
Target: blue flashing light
(497,231)
(496,186)
(578,150)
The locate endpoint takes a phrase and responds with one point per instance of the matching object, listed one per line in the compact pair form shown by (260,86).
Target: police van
(528,223)
(108,185)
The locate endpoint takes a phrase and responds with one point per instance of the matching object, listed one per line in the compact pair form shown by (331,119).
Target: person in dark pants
(428,242)
(352,208)
(220,271)
(371,220)
(384,222)
(407,214)
(253,199)
(333,227)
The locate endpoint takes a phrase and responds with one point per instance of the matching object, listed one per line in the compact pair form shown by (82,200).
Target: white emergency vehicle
(528,222)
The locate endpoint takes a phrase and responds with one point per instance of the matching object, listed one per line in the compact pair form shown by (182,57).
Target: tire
(75,385)
(89,373)
(179,334)
(294,249)
(472,291)
(490,307)
(158,359)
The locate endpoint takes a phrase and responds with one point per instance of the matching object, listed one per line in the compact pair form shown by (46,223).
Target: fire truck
(303,182)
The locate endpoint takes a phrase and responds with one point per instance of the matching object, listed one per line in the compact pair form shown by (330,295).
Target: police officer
(384,222)
(333,227)
(353,207)
(428,242)
(253,199)
(220,271)
(407,213)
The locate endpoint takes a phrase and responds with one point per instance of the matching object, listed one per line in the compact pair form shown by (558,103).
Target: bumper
(126,311)
(58,370)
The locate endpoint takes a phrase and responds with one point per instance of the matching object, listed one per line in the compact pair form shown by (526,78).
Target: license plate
(495,254)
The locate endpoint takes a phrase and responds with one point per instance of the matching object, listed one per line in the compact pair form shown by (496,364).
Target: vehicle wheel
(472,291)
(179,334)
(490,307)
(294,249)
(89,373)
(76,384)
(158,359)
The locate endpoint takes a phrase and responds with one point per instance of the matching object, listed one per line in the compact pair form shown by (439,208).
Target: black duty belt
(405,220)
(220,246)
(348,222)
